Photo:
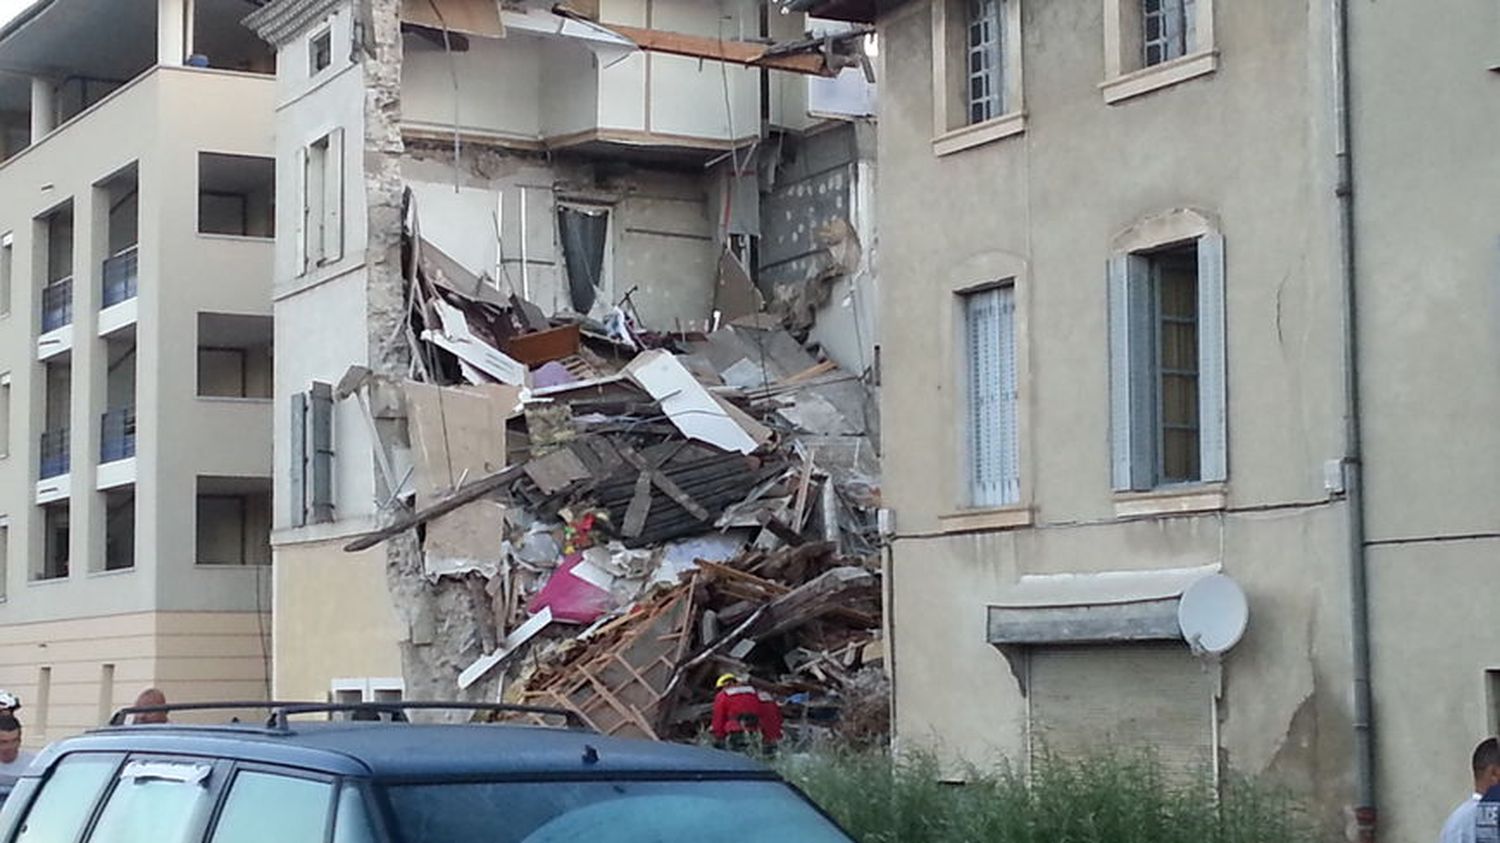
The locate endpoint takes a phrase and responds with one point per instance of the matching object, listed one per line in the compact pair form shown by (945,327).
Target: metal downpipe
(1365,812)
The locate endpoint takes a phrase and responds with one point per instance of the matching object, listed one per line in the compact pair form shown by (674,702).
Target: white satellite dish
(1213,614)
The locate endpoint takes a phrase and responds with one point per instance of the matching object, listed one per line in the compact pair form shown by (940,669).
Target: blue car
(358,781)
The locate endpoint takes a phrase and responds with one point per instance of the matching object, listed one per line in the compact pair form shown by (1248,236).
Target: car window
(353,822)
(268,806)
(613,811)
(155,802)
(67,798)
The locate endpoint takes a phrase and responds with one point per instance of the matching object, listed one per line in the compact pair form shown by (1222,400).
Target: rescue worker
(9,703)
(737,713)
(770,722)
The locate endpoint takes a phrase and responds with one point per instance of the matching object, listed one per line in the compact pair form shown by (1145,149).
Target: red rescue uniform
(737,709)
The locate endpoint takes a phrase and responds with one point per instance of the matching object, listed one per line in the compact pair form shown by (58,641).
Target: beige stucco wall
(334,619)
(72,675)
(1243,147)
(159,122)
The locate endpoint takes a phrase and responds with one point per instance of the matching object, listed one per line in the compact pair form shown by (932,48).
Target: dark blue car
(291,781)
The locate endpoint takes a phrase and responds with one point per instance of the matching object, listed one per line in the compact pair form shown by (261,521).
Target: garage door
(1128,697)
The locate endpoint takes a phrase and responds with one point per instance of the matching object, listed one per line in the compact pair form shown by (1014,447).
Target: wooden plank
(468,494)
(665,483)
(731,52)
(640,506)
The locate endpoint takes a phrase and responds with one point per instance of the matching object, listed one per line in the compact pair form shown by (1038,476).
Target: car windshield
(608,812)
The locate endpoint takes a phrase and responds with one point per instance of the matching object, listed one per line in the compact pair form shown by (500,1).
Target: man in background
(1485,764)
(147,698)
(13,761)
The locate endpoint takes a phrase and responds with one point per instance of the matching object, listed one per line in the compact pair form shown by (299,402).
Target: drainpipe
(1365,814)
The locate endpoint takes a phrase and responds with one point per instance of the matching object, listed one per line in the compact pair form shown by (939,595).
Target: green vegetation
(1111,798)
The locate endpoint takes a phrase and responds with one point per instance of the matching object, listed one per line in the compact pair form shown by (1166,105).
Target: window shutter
(1213,410)
(306,207)
(298,440)
(1131,408)
(321,414)
(994,476)
(333,198)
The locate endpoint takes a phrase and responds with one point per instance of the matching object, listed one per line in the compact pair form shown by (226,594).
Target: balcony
(121,276)
(55,460)
(117,439)
(57,305)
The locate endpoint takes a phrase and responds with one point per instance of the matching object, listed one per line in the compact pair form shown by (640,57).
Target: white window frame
(7,271)
(325,31)
(1126,74)
(320,189)
(952,126)
(1134,363)
(991,397)
(368,687)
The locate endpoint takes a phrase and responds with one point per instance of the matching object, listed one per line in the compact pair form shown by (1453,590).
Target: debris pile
(637,512)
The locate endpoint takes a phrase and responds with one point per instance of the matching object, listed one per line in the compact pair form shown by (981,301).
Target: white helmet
(9,701)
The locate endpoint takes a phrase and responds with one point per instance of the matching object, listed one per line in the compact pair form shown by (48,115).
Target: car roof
(406,751)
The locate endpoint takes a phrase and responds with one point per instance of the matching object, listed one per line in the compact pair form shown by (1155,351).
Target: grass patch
(1110,798)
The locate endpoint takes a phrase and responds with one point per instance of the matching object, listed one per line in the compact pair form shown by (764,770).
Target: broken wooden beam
(464,496)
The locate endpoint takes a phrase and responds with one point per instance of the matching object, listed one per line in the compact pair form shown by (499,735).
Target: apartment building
(1115,233)
(136,232)
(524,134)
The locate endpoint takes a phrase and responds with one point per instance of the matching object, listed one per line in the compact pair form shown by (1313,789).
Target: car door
(266,803)
(156,799)
(57,808)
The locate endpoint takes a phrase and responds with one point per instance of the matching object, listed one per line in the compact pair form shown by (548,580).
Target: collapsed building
(575,325)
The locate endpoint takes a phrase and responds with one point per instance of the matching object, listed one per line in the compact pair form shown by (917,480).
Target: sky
(9,8)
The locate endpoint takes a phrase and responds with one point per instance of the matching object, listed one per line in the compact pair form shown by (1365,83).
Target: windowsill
(979,134)
(46,582)
(980,520)
(235,399)
(232,566)
(1171,500)
(236,238)
(115,573)
(1160,76)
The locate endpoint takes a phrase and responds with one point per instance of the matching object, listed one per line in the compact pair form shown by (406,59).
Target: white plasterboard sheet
(523,633)
(691,408)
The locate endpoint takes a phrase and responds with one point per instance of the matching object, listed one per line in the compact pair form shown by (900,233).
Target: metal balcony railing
(55,456)
(121,275)
(57,305)
(117,441)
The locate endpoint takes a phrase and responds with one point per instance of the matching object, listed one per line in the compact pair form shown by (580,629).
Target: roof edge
(26,15)
(279,21)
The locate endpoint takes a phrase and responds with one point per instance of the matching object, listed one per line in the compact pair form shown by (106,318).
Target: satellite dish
(1213,613)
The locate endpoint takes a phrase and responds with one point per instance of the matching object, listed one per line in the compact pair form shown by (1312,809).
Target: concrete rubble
(636,511)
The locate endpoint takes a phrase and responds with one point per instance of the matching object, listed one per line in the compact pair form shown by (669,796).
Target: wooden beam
(731,52)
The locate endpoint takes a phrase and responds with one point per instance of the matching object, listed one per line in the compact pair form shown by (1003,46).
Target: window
(55,538)
(1152,44)
(236,195)
(264,806)
(990,360)
(234,355)
(65,802)
(7,268)
(320,235)
(312,456)
(156,802)
(986,65)
(1166,30)
(5,415)
(4,555)
(976,72)
(1167,378)
(355,691)
(320,52)
(584,232)
(119,529)
(234,521)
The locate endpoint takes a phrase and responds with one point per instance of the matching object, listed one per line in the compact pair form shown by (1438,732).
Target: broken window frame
(1136,373)
(605,286)
(992,400)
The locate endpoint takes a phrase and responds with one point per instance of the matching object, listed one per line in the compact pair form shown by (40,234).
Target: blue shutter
(321,462)
(993,446)
(1131,402)
(1213,410)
